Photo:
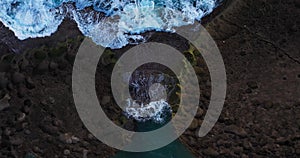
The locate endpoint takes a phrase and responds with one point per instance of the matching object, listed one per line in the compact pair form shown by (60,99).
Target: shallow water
(174,150)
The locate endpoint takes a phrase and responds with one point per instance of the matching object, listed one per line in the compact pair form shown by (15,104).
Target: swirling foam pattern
(110,23)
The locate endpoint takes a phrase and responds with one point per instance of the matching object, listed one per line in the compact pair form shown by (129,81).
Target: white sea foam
(30,18)
(155,110)
(123,22)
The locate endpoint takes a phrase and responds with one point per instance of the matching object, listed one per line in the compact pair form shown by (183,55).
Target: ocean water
(110,23)
(173,150)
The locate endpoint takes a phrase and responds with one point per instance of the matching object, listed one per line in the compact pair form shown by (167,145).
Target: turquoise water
(110,23)
(174,150)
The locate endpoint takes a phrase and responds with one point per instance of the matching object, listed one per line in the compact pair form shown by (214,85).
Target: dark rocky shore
(258,39)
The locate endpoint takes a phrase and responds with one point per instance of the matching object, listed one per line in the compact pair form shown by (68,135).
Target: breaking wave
(157,111)
(110,23)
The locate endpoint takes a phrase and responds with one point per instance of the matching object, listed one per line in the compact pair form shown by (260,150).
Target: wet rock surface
(258,41)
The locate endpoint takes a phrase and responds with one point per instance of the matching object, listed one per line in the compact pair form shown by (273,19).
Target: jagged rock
(49,129)
(85,152)
(210,152)
(68,138)
(236,130)
(21,117)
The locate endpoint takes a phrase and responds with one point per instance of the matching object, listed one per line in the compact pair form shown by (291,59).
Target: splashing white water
(111,23)
(155,110)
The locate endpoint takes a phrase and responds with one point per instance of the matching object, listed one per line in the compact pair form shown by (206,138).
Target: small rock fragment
(211,152)
(26,109)
(51,100)
(29,83)
(21,117)
(36,149)
(90,136)
(67,152)
(57,122)
(68,138)
(27,132)
(85,152)
(7,131)
(200,112)
(16,140)
(53,66)
(252,85)
(199,70)
(236,130)
(4,102)
(74,139)
(49,129)
(194,124)
(283,141)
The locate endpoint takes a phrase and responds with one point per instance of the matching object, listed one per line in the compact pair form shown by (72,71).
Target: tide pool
(174,150)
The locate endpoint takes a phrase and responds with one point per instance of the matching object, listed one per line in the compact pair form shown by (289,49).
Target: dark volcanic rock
(29,83)
(53,65)
(52,130)
(16,140)
(21,91)
(236,130)
(211,152)
(18,78)
(42,67)
(252,85)
(3,80)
